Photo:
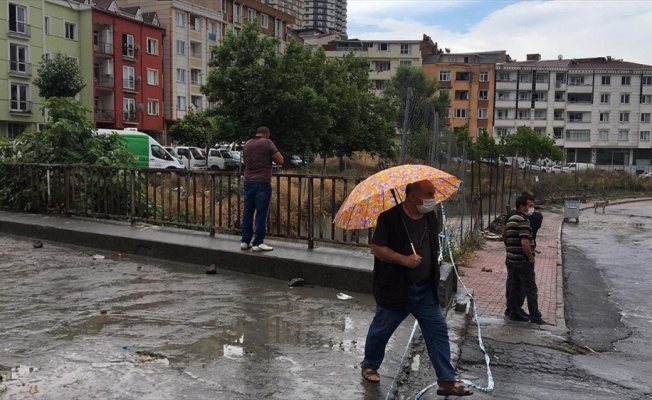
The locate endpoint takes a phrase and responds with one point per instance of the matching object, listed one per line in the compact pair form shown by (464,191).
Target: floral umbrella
(372,196)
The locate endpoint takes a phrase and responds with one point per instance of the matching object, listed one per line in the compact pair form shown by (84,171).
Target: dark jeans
(508,288)
(523,280)
(423,305)
(257,196)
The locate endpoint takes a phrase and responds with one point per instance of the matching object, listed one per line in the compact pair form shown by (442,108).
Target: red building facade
(128,69)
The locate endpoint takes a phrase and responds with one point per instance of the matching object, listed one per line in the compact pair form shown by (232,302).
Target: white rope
(446,237)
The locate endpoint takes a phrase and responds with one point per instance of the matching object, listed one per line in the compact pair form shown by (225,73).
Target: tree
(59,76)
(195,129)
(309,102)
(68,139)
(532,146)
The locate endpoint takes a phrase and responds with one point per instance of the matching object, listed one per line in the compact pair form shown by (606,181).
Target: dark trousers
(508,289)
(523,280)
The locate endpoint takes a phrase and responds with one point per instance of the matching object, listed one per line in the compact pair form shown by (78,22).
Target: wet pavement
(73,327)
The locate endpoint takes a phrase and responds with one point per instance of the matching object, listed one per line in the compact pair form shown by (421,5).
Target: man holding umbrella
(405,279)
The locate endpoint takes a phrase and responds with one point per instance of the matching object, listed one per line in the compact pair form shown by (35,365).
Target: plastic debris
(297,282)
(343,296)
(37,244)
(33,389)
(98,257)
(211,270)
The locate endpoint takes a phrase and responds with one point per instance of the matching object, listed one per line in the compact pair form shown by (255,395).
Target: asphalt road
(73,327)
(606,353)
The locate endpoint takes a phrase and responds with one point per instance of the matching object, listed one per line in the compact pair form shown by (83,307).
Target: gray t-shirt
(258,153)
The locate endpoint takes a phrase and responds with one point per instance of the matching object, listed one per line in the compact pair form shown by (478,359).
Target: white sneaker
(262,247)
(245,246)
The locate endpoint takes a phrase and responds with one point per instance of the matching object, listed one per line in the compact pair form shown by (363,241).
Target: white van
(580,166)
(146,151)
(195,158)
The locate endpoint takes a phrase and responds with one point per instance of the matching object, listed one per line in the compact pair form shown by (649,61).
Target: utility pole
(406,119)
(435,134)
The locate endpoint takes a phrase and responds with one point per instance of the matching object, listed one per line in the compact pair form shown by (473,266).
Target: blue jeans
(424,307)
(257,196)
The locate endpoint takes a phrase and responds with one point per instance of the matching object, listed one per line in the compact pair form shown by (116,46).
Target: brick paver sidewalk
(489,284)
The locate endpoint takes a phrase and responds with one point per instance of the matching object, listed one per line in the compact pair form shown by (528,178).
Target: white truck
(221,160)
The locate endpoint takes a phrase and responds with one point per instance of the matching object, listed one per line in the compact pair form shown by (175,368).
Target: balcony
(195,54)
(103,48)
(21,107)
(19,68)
(105,80)
(104,115)
(18,29)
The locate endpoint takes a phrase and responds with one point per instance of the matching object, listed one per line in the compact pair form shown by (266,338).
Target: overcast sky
(575,29)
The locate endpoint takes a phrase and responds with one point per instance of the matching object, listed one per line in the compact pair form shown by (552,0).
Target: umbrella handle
(413,250)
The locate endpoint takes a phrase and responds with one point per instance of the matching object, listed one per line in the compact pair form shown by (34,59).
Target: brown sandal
(453,389)
(370,374)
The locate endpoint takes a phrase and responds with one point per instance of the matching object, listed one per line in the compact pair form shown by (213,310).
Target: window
(540,96)
(180,18)
(252,15)
(70,30)
(623,135)
(603,135)
(128,109)
(405,63)
(502,132)
(277,28)
(152,107)
(624,117)
(383,46)
(624,98)
(626,80)
(20,98)
(128,78)
(503,96)
(503,77)
(645,118)
(646,99)
(557,132)
(484,76)
(181,47)
(558,115)
(152,46)
(18,19)
(461,95)
(382,66)
(264,21)
(526,77)
(379,84)
(223,5)
(181,102)
(181,75)
(195,22)
(195,76)
(576,80)
(560,96)
(196,103)
(523,114)
(524,95)
(46,25)
(479,131)
(574,117)
(502,114)
(128,45)
(462,76)
(646,80)
(605,98)
(461,113)
(152,77)
(195,49)
(483,94)
(406,48)
(237,14)
(606,80)
(578,135)
(604,117)
(18,59)
(482,113)
(445,76)
(540,114)
(644,136)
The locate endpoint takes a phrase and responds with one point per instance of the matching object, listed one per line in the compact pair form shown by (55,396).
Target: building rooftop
(593,63)
(483,57)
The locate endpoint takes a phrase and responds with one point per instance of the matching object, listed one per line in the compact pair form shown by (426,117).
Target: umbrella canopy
(372,196)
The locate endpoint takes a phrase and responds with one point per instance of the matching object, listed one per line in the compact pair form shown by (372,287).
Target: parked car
(556,169)
(173,153)
(646,175)
(296,161)
(196,161)
(221,160)
(580,166)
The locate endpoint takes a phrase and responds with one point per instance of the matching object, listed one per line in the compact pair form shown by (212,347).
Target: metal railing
(302,206)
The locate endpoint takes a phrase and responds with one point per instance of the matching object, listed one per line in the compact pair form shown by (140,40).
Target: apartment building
(468,79)
(385,56)
(194,27)
(326,15)
(291,7)
(28,31)
(127,68)
(598,109)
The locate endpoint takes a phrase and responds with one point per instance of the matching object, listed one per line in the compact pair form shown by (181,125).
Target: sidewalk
(486,274)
